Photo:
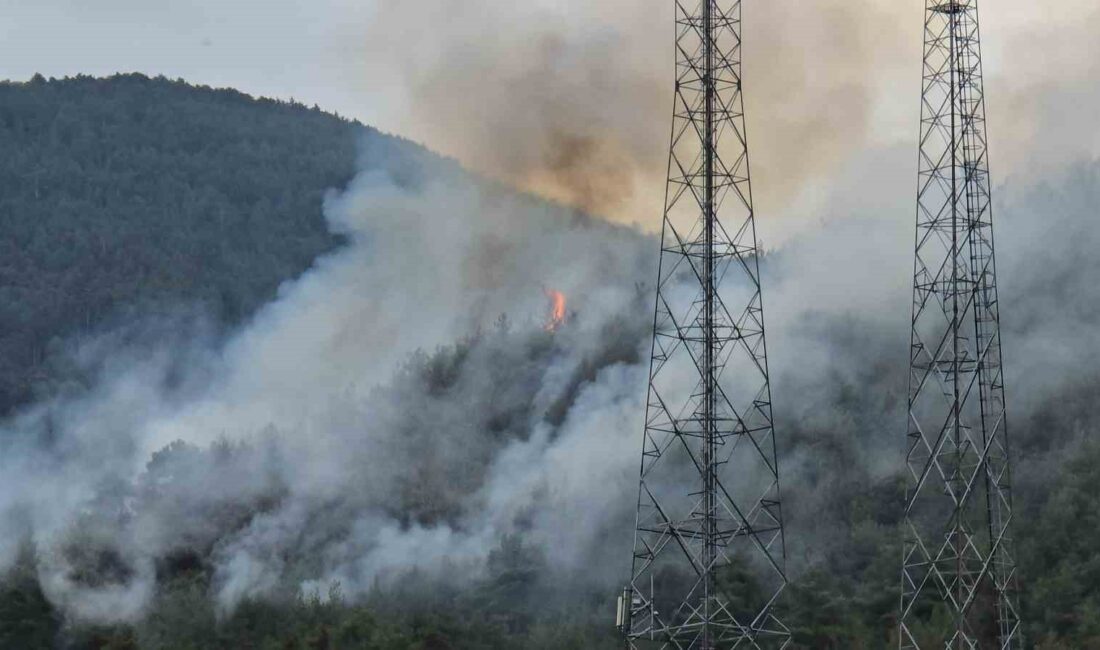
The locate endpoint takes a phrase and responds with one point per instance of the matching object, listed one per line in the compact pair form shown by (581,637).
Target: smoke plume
(562,99)
(565,98)
(404,406)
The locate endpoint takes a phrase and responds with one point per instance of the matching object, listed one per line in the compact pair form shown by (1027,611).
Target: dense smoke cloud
(381,415)
(336,452)
(1042,108)
(573,100)
(566,99)
(403,405)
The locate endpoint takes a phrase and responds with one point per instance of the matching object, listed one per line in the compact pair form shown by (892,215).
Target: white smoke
(317,423)
(382,416)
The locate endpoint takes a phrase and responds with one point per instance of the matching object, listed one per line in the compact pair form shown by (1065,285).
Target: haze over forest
(275,379)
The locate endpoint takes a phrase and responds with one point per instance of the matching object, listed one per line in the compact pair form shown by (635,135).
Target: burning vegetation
(556,315)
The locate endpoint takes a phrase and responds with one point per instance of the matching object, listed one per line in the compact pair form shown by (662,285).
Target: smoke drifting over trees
(562,98)
(400,422)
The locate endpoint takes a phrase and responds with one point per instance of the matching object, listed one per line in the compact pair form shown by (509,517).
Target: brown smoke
(533,97)
(1043,84)
(572,99)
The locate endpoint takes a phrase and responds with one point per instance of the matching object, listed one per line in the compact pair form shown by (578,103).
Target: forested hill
(126,197)
(128,194)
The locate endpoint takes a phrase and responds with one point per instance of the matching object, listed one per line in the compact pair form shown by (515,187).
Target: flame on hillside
(557,310)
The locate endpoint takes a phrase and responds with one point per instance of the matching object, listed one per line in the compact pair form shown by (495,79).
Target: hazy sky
(571,98)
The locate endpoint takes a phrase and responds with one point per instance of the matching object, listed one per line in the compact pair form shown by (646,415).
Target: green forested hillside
(133,194)
(126,197)
(129,197)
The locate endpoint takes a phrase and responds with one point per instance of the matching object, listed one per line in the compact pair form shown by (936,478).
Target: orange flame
(557,310)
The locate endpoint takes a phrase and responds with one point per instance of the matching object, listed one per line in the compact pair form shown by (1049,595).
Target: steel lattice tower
(708,562)
(958,576)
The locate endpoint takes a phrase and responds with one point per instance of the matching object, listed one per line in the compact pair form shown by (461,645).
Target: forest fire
(557,310)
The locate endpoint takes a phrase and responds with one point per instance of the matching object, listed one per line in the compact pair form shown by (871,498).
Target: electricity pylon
(959,571)
(709,555)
